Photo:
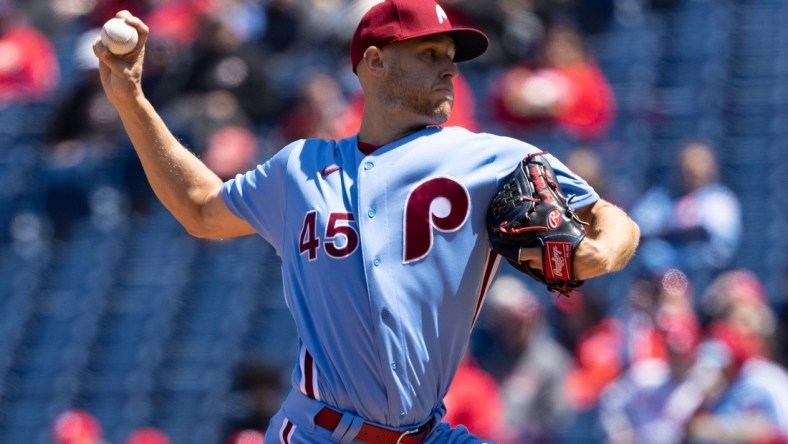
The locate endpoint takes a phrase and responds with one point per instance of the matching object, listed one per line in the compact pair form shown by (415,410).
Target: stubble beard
(403,91)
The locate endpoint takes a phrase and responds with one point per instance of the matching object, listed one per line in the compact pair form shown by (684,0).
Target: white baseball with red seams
(118,36)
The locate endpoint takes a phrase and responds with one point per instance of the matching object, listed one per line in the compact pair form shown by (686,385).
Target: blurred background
(117,327)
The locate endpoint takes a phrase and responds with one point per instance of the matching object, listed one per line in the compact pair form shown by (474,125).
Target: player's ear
(373,60)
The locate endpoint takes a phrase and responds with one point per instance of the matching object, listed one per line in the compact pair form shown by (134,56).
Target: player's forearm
(612,239)
(180,180)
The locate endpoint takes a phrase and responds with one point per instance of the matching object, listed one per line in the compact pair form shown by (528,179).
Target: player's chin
(441,112)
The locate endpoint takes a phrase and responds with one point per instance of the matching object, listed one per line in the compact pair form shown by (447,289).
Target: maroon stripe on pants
(308,376)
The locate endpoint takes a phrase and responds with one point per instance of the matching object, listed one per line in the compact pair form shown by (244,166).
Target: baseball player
(385,255)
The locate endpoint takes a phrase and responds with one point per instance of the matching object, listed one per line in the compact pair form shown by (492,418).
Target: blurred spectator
(513,342)
(330,22)
(77,426)
(474,400)
(82,148)
(247,437)
(230,150)
(177,21)
(640,406)
(99,11)
(738,296)
(699,229)
(521,28)
(518,26)
(597,341)
(781,347)
(29,69)
(148,435)
(589,164)
(652,300)
(564,88)
(321,111)
(744,398)
(197,116)
(84,113)
(169,53)
(282,24)
(224,60)
(663,336)
(722,390)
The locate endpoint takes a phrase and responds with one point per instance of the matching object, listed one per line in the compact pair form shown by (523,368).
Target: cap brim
(470,43)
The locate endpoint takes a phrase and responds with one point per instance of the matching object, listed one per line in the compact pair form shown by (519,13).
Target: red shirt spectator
(321,111)
(597,340)
(598,363)
(148,435)
(77,427)
(474,400)
(247,436)
(29,69)
(565,89)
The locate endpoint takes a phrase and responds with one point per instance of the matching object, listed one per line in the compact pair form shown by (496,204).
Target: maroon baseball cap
(397,20)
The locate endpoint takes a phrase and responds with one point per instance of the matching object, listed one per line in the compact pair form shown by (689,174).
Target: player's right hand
(121,75)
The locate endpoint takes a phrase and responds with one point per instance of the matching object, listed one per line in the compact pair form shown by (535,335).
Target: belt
(329,419)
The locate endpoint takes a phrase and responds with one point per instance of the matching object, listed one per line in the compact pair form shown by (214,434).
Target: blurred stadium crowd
(117,327)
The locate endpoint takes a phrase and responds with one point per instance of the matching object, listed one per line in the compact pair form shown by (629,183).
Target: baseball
(119,37)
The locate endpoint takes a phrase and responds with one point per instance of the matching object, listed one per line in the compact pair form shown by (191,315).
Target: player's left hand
(532,225)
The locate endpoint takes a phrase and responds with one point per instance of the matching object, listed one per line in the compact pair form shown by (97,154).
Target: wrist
(135,106)
(592,260)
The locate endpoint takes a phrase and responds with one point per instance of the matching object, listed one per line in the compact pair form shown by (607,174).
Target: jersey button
(394,366)
(385,314)
(402,415)
(368,165)
(371,213)
(376,262)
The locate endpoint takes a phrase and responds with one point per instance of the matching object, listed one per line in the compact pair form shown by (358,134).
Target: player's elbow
(203,228)
(209,218)
(200,232)
(214,222)
(195,226)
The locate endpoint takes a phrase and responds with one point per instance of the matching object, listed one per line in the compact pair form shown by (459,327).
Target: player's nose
(449,70)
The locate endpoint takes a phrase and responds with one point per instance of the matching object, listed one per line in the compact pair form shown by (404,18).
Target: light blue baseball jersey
(385,259)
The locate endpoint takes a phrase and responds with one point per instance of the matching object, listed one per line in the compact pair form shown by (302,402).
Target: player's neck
(377,130)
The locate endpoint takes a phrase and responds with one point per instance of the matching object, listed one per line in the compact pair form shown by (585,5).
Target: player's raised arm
(186,187)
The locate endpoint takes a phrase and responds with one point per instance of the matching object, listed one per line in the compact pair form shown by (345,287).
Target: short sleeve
(259,196)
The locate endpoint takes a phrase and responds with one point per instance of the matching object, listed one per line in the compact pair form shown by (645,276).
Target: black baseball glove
(530,210)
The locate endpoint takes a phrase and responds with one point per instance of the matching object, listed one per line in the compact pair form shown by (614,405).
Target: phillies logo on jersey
(437,204)
(554,219)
